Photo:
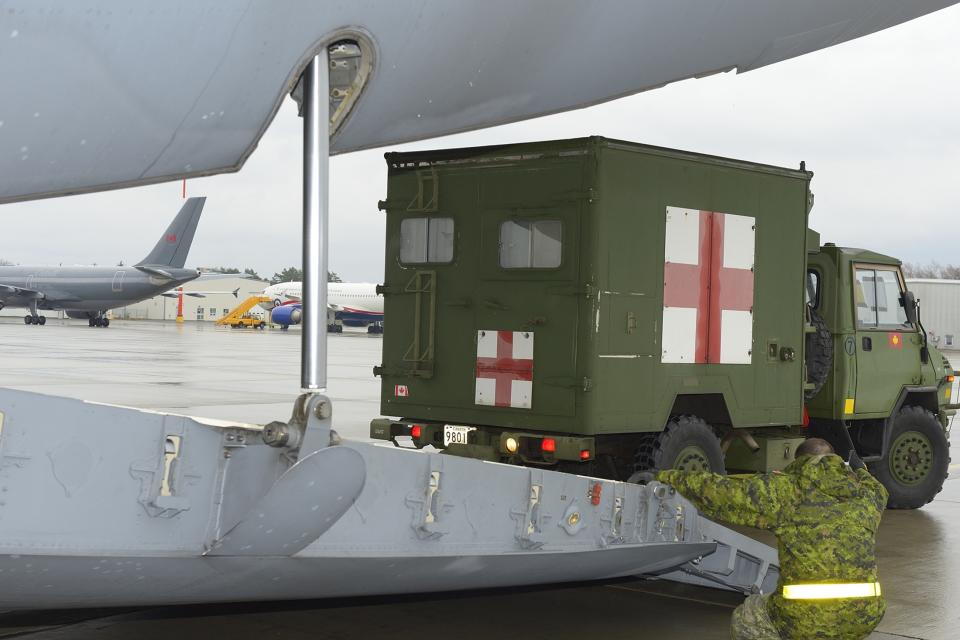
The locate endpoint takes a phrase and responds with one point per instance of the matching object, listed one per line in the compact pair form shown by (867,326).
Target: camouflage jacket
(825,517)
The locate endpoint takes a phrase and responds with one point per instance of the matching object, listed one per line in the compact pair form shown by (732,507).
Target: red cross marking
(504,369)
(708,287)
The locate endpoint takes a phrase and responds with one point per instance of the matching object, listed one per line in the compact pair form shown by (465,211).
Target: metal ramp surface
(109,506)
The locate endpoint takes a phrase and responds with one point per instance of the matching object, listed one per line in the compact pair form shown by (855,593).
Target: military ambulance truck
(604,307)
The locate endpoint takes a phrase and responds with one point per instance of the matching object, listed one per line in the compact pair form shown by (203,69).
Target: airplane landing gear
(34,316)
(100,320)
(375,329)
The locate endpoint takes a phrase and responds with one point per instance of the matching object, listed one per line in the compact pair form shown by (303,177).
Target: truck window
(426,240)
(813,289)
(531,244)
(878,297)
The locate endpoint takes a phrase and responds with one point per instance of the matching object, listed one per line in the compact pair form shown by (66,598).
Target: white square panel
(679,343)
(682,241)
(736,337)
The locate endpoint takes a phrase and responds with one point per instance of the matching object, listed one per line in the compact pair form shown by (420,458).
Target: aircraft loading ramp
(167,509)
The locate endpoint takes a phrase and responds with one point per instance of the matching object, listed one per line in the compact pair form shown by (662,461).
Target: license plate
(453,434)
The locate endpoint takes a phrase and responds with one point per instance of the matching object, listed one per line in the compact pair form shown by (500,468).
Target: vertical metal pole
(316,157)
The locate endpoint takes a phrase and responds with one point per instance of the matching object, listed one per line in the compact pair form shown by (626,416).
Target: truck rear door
(527,311)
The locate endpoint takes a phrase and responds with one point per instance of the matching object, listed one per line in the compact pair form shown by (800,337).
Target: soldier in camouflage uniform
(825,516)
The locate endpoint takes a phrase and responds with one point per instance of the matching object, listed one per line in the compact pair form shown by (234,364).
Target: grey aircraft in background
(88,292)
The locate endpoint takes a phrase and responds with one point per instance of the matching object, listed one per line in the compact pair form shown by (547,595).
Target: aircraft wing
(214,275)
(10,291)
(148,92)
(198,294)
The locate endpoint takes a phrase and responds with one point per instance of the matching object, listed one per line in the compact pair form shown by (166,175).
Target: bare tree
(933,270)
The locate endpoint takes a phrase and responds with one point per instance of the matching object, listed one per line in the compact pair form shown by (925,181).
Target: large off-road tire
(686,443)
(917,460)
(818,350)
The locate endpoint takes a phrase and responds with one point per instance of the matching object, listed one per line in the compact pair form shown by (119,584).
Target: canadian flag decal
(504,374)
(708,287)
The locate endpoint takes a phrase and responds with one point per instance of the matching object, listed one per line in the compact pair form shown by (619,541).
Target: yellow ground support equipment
(240,316)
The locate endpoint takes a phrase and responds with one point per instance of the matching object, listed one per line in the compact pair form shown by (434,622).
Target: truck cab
(886,392)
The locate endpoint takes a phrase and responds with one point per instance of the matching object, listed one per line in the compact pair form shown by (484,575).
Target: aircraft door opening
(118,281)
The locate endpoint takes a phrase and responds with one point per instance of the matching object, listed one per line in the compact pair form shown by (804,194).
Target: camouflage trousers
(751,621)
(824,619)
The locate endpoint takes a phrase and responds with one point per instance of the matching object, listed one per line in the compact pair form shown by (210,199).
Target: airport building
(217,301)
(939,310)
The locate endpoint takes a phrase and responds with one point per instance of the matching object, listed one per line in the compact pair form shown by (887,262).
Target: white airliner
(353,303)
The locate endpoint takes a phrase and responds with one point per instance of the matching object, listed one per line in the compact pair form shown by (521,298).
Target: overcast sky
(876,119)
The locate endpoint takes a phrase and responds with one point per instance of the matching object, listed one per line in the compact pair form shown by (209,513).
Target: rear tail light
(585,454)
(549,445)
(806,416)
(416,431)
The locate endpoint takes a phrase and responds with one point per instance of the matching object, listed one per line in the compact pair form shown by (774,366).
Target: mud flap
(303,504)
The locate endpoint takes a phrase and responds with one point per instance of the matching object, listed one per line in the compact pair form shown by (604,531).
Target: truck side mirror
(909,302)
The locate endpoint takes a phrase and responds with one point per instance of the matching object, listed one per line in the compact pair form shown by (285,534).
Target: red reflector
(549,445)
(416,430)
(585,454)
(595,494)
(806,416)
(950,378)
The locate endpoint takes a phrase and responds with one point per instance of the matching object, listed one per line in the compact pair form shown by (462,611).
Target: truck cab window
(425,240)
(878,296)
(813,289)
(531,244)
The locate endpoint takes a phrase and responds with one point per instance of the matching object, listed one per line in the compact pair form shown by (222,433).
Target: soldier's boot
(751,621)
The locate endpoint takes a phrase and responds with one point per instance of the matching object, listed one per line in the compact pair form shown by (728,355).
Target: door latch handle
(867,344)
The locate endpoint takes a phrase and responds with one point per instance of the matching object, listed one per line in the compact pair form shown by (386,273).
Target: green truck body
(603,303)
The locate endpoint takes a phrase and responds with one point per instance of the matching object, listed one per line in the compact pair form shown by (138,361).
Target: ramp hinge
(531,519)
(429,508)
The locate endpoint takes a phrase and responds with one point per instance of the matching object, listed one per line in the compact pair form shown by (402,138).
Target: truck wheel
(917,461)
(687,443)
(819,354)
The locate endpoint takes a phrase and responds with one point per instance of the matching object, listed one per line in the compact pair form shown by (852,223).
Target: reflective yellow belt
(829,591)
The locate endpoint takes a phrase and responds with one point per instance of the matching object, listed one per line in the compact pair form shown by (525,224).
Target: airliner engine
(77,314)
(287,315)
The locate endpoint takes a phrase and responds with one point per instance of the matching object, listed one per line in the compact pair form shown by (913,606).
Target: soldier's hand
(642,477)
(854,461)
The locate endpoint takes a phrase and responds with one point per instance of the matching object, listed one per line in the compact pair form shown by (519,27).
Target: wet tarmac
(253,376)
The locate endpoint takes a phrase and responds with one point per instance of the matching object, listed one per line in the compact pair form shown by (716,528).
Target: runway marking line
(669,595)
